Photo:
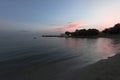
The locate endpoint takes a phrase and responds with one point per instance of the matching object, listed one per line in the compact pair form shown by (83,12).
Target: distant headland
(113,31)
(90,33)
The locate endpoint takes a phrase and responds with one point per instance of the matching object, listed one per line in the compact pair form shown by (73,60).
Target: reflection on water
(53,56)
(96,47)
(106,46)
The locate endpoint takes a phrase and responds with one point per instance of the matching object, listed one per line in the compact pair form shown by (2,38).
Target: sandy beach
(108,69)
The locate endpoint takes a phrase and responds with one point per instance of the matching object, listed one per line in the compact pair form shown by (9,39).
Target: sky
(58,15)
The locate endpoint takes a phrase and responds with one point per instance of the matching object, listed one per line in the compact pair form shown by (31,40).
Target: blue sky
(56,14)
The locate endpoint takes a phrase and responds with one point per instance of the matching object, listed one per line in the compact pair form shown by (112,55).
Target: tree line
(94,32)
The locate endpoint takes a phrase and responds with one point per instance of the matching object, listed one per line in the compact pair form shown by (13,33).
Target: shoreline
(106,69)
(98,36)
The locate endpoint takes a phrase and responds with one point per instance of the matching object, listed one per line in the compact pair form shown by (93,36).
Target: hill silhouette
(115,30)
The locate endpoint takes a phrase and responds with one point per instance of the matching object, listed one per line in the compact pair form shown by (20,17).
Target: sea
(23,57)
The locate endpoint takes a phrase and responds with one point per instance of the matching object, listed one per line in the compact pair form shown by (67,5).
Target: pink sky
(72,27)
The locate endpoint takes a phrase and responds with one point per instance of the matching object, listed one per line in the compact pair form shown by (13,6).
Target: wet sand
(108,69)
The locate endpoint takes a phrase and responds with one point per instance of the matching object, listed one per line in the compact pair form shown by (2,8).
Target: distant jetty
(50,35)
(62,35)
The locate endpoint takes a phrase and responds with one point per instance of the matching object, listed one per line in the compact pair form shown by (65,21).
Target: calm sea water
(25,58)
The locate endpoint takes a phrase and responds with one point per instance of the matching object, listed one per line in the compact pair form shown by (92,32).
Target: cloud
(72,27)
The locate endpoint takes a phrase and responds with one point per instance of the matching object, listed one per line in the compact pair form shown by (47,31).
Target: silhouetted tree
(113,30)
(92,32)
(67,33)
(116,29)
(84,32)
(106,31)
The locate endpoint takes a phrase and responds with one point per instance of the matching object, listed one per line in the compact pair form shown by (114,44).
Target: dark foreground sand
(108,69)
